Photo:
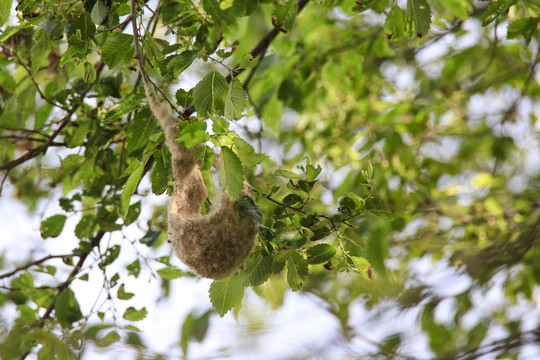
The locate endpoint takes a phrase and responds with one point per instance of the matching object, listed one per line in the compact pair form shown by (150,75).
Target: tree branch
(257,50)
(32,153)
(35,262)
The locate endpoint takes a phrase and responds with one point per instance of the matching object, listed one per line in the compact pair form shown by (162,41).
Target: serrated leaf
(67,307)
(320,253)
(286,174)
(122,294)
(297,270)
(257,272)
(523,27)
(226,294)
(131,186)
(99,12)
(285,14)
(191,134)
(235,100)
(378,207)
(209,95)
(418,17)
(117,48)
(170,273)
(231,174)
(139,130)
(53,226)
(495,9)
(133,314)
(247,61)
(12,30)
(174,65)
(394,25)
(206,156)
(361,266)
(247,154)
(346,206)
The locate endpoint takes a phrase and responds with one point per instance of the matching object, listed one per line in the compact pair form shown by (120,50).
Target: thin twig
(36,262)
(32,153)
(20,62)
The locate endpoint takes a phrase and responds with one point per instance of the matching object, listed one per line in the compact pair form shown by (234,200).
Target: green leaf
(67,308)
(418,17)
(346,206)
(285,14)
(247,61)
(205,155)
(109,339)
(286,174)
(496,9)
(133,314)
(170,273)
(12,30)
(5,10)
(378,207)
(246,153)
(159,175)
(191,134)
(99,12)
(219,16)
(194,327)
(297,270)
(122,294)
(85,227)
(320,253)
(235,100)
(312,172)
(139,130)
(150,238)
(231,174)
(226,294)
(134,268)
(249,209)
(184,98)
(209,95)
(394,25)
(361,266)
(110,256)
(174,65)
(244,7)
(42,115)
(258,271)
(131,186)
(291,199)
(523,27)
(53,226)
(458,8)
(118,48)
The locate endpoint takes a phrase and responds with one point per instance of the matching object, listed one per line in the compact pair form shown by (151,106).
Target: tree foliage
(376,134)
